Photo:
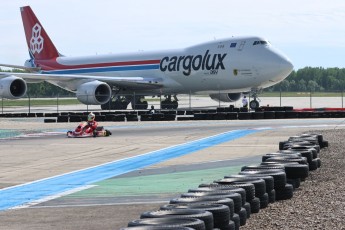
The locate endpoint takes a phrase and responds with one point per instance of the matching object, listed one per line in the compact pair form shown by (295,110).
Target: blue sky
(309,32)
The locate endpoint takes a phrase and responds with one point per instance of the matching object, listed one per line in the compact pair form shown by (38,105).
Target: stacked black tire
(227,203)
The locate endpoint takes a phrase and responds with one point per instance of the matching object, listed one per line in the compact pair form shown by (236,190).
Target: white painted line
(107,204)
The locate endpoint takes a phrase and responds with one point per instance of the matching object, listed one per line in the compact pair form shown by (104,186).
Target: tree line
(311,79)
(308,79)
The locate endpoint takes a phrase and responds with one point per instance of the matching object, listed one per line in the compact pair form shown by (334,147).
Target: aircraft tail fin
(39,44)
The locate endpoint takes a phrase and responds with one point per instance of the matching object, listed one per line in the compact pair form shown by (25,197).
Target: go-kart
(84,131)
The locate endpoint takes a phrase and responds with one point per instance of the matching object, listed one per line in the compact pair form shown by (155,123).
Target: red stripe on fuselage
(52,64)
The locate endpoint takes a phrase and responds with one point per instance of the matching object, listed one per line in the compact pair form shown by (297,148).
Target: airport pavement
(197,102)
(33,158)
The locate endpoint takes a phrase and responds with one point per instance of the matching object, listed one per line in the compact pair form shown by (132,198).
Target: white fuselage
(221,66)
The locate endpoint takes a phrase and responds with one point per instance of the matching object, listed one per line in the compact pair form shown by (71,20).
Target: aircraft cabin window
(260,43)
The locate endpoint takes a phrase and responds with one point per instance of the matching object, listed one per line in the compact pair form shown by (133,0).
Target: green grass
(39,102)
(301,94)
(155,184)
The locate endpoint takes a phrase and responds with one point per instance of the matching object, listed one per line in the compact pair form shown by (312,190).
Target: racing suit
(91,126)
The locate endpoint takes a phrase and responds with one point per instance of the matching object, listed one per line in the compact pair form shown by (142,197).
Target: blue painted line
(103,69)
(22,194)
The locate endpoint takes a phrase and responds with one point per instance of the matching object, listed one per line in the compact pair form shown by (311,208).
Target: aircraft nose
(285,66)
(279,66)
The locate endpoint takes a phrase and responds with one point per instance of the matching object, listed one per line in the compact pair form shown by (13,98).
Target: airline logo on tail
(36,41)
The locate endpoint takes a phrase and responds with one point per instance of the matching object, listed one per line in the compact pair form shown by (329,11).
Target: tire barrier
(221,213)
(258,115)
(203,215)
(244,115)
(237,199)
(183,115)
(131,117)
(269,115)
(153,227)
(170,222)
(186,115)
(206,200)
(228,203)
(114,117)
(50,120)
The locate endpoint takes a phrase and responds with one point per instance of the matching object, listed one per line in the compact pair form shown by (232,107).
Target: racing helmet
(91,117)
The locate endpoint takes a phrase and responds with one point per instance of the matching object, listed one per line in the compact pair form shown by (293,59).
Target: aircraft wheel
(165,105)
(105,106)
(254,104)
(140,105)
(145,105)
(124,105)
(114,105)
(118,105)
(174,104)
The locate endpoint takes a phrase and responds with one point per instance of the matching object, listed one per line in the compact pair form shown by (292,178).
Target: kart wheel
(107,133)
(94,133)
(69,133)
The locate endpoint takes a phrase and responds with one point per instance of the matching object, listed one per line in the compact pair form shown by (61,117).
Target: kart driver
(91,123)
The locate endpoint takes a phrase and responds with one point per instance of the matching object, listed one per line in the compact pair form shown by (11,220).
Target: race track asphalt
(110,202)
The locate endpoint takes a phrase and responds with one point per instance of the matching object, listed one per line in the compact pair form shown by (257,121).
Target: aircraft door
(241,46)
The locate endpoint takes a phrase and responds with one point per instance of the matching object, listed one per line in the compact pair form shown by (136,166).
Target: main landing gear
(116,103)
(254,104)
(139,103)
(168,103)
(122,102)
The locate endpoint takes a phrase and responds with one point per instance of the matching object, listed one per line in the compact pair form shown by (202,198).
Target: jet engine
(226,97)
(94,93)
(12,87)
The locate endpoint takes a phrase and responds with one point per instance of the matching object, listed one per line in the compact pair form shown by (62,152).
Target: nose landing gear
(254,104)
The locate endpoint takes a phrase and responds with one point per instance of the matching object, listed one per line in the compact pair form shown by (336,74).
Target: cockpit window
(260,43)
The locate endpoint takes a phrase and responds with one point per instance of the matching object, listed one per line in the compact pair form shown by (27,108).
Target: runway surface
(163,159)
(196,102)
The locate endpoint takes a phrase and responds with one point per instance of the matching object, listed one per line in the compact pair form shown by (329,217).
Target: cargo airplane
(223,69)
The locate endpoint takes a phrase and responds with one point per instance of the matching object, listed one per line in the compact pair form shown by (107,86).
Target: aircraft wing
(127,82)
(28,69)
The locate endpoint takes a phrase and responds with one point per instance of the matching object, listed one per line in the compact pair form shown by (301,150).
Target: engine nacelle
(226,97)
(12,87)
(94,93)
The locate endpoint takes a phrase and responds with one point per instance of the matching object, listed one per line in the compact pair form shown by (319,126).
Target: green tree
(284,85)
(313,78)
(312,86)
(302,86)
